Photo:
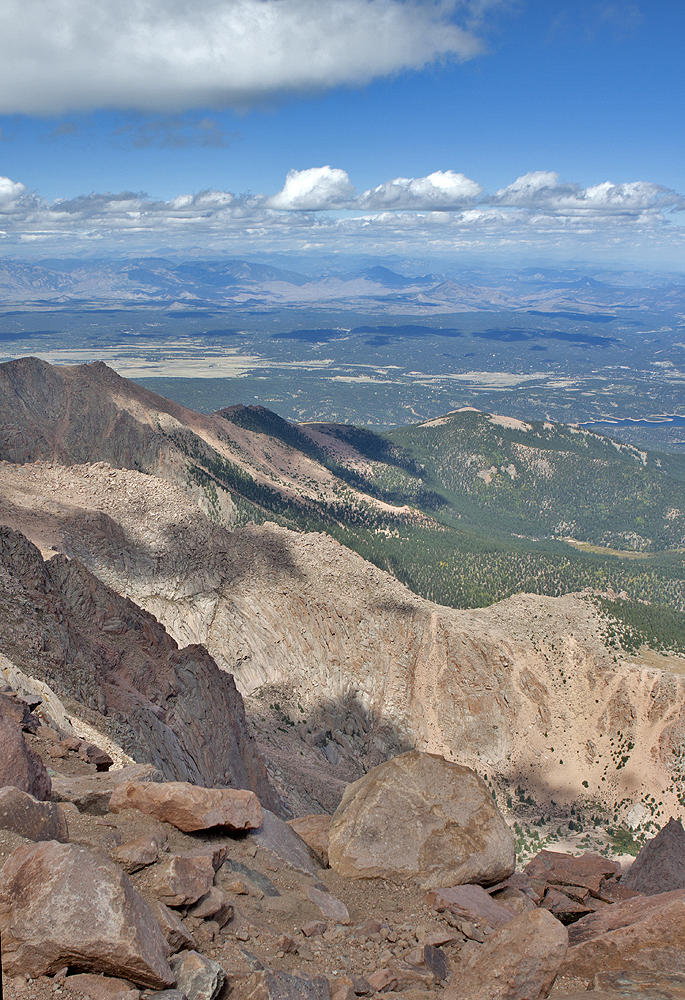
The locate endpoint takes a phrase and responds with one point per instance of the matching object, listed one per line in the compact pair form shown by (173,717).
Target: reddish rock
(644,934)
(383,980)
(197,977)
(20,766)
(587,870)
(101,987)
(471,902)
(176,934)
(315,928)
(22,814)
(136,854)
(514,899)
(213,906)
(612,891)
(61,905)
(182,880)
(564,907)
(419,816)
(330,905)
(190,807)
(518,962)
(660,865)
(314,831)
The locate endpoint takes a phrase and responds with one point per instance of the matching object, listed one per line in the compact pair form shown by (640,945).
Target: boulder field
(179,892)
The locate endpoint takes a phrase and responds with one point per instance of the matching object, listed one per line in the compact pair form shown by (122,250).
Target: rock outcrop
(419,816)
(20,766)
(660,865)
(171,707)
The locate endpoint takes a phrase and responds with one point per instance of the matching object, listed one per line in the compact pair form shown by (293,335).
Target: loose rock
(62,905)
(191,807)
(182,880)
(518,962)
(30,818)
(643,935)
(197,977)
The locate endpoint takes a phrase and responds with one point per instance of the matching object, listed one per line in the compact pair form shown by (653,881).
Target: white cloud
(541,191)
(534,215)
(168,55)
(12,195)
(314,189)
(440,190)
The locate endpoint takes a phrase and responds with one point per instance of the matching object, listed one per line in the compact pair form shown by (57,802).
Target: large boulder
(660,865)
(61,905)
(644,935)
(518,962)
(190,807)
(31,818)
(420,816)
(20,766)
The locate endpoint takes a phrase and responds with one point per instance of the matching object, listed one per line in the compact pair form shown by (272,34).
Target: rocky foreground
(118,885)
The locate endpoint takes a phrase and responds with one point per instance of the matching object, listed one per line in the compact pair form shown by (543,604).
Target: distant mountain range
(163,282)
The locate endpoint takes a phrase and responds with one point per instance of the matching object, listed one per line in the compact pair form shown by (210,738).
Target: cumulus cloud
(536,213)
(541,191)
(440,190)
(314,190)
(170,55)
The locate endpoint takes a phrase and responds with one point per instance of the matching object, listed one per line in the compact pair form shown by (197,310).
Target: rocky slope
(343,666)
(171,707)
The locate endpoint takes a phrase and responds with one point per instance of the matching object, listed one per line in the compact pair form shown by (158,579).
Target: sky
(521,130)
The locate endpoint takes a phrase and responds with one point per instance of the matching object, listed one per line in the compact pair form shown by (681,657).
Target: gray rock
(22,814)
(660,865)
(277,836)
(91,794)
(270,985)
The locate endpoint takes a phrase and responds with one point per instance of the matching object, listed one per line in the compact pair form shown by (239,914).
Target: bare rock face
(273,985)
(190,807)
(643,935)
(19,765)
(176,710)
(61,905)
(660,865)
(35,820)
(419,816)
(518,962)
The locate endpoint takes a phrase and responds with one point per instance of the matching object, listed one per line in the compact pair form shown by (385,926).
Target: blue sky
(426,112)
